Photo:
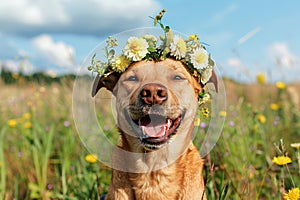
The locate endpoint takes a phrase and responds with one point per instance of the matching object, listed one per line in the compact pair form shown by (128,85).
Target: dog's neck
(142,160)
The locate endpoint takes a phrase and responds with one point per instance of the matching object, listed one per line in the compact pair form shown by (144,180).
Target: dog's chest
(156,185)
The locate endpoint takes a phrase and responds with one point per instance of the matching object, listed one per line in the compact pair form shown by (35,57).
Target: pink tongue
(155,131)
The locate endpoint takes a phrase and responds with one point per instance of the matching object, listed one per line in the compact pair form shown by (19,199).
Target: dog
(156,103)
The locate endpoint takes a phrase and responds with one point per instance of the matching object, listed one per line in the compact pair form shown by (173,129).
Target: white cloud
(34,17)
(281,52)
(58,53)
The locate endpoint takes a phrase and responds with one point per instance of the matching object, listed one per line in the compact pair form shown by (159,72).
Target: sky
(245,37)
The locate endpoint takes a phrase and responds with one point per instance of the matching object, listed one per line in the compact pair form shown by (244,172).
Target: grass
(42,157)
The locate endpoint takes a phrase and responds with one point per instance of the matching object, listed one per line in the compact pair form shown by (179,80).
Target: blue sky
(245,37)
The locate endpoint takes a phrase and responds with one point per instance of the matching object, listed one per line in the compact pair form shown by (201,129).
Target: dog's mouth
(157,129)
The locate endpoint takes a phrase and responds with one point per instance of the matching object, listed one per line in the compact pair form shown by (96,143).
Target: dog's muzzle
(154,124)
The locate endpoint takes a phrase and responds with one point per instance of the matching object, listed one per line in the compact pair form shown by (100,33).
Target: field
(42,157)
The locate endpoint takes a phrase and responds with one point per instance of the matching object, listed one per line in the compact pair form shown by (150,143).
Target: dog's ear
(108,82)
(214,80)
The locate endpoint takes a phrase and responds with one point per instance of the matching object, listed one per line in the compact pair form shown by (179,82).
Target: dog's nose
(153,93)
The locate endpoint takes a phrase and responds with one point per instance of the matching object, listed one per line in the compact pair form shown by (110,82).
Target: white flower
(136,48)
(178,47)
(205,75)
(199,58)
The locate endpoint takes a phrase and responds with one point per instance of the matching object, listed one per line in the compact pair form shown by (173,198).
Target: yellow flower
(274,106)
(261,118)
(281,160)
(293,194)
(280,85)
(205,112)
(27,125)
(120,63)
(261,78)
(12,123)
(222,113)
(136,48)
(295,145)
(193,37)
(199,58)
(91,158)
(26,116)
(178,47)
(197,122)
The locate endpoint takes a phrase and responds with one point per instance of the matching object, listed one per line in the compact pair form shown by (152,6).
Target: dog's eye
(178,78)
(132,78)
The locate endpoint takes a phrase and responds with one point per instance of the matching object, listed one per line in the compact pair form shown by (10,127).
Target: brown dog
(156,105)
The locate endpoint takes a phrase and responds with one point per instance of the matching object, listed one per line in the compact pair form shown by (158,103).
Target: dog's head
(155,102)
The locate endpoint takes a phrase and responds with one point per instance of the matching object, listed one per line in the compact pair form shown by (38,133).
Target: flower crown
(190,52)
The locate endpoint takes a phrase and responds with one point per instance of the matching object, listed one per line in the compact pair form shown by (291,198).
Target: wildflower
(295,145)
(231,123)
(12,123)
(178,47)
(281,160)
(112,42)
(222,113)
(202,125)
(261,78)
(204,98)
(26,116)
(136,48)
(280,85)
(261,118)
(120,63)
(91,158)
(205,112)
(293,194)
(27,125)
(205,75)
(67,123)
(193,37)
(199,58)
(274,106)
(197,122)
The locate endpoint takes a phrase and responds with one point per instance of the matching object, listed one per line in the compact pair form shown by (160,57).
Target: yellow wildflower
(193,37)
(281,160)
(205,112)
(261,78)
(12,123)
(274,106)
(222,113)
(27,125)
(261,118)
(293,194)
(26,116)
(91,158)
(295,145)
(197,122)
(280,85)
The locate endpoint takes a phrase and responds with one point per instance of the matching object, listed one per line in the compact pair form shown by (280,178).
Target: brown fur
(182,178)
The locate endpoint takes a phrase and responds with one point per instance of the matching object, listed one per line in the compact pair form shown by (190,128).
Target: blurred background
(44,43)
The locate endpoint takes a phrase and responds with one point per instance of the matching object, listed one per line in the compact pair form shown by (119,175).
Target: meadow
(42,157)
